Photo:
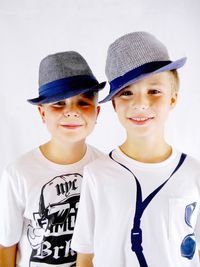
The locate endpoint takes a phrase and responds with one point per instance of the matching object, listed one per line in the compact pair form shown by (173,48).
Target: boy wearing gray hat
(140,205)
(39,193)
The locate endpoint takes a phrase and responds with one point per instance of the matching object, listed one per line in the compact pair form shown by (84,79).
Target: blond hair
(175,80)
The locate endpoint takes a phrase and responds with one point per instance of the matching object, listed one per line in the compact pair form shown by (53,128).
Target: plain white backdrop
(32,29)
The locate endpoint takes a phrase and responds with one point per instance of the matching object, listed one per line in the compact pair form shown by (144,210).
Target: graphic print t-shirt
(40,203)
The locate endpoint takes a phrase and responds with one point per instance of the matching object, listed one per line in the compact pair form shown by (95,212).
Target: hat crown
(131,51)
(62,65)
(63,75)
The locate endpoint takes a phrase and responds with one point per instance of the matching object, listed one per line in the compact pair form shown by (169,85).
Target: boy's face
(71,119)
(143,107)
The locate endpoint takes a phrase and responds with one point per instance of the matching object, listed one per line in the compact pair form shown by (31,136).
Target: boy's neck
(147,152)
(63,154)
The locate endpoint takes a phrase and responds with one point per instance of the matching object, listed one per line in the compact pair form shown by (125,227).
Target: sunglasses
(188,245)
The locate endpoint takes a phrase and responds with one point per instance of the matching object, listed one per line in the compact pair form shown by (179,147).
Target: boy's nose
(140,107)
(140,102)
(71,114)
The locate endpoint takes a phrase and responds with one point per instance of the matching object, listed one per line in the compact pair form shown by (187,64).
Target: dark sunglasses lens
(188,246)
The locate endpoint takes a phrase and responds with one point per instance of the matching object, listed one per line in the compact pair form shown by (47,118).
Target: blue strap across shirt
(136,231)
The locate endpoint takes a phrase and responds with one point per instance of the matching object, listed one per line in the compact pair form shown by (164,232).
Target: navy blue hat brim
(130,80)
(65,94)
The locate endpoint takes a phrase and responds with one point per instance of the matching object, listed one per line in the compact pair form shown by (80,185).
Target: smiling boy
(143,108)
(143,200)
(39,193)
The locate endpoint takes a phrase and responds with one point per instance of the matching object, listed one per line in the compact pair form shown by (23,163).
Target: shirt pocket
(182,220)
(182,216)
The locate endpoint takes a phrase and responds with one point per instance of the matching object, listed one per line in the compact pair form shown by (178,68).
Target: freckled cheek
(53,114)
(90,118)
(163,114)
(52,124)
(121,110)
(90,112)
(52,119)
(122,115)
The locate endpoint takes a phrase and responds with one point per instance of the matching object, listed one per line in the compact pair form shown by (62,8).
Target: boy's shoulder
(94,152)
(191,165)
(193,162)
(26,160)
(101,163)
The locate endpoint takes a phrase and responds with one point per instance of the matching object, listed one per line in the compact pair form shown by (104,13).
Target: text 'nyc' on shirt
(39,202)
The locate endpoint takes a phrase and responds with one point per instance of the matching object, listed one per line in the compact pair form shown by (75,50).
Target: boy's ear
(98,110)
(174,97)
(42,112)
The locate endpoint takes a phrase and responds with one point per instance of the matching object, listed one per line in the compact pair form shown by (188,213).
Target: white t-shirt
(108,204)
(39,201)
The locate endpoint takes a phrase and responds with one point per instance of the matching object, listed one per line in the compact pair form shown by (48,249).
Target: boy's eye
(126,93)
(59,104)
(154,92)
(83,103)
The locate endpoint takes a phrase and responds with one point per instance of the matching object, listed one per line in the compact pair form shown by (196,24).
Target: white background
(32,29)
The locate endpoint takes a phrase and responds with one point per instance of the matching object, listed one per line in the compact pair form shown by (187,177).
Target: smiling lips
(71,126)
(141,120)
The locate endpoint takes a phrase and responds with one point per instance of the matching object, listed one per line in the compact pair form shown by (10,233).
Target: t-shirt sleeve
(11,208)
(83,236)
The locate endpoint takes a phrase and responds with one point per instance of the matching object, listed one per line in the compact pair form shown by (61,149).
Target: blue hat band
(71,83)
(130,75)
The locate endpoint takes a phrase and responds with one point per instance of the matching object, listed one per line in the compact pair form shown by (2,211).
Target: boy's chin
(141,132)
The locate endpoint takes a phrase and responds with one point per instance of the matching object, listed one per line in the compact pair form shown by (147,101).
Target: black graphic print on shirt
(50,236)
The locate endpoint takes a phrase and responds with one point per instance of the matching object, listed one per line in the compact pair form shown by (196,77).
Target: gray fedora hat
(63,75)
(134,57)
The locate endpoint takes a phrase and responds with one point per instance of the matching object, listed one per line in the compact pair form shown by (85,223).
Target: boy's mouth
(141,120)
(71,125)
